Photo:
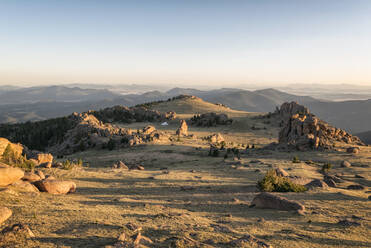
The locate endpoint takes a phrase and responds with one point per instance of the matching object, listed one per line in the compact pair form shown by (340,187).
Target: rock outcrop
(93,133)
(302,130)
(183,129)
(16,148)
(210,120)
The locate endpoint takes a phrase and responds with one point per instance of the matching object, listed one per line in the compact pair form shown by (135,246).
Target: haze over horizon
(185,43)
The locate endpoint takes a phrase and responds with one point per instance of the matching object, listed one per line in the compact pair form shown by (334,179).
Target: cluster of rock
(210,120)
(302,130)
(33,182)
(89,132)
(134,114)
(76,132)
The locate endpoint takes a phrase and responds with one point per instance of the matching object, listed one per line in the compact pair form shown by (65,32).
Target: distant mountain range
(39,103)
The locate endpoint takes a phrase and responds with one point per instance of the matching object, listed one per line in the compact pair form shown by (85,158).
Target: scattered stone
(136,167)
(281,172)
(330,183)
(355,187)
(120,165)
(215,138)
(269,200)
(316,183)
(335,178)
(345,164)
(14,234)
(249,241)
(183,129)
(54,186)
(140,239)
(9,175)
(5,214)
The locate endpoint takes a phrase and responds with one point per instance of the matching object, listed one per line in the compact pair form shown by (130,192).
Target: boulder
(316,183)
(54,186)
(25,186)
(39,158)
(5,213)
(281,172)
(10,175)
(183,129)
(271,201)
(345,164)
(31,177)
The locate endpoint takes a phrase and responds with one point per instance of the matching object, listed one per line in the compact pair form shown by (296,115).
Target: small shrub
(275,183)
(111,144)
(326,167)
(296,159)
(67,165)
(10,157)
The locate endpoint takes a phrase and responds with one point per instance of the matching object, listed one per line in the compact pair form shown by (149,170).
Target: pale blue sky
(185,42)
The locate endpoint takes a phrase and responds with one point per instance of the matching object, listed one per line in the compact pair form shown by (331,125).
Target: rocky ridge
(302,130)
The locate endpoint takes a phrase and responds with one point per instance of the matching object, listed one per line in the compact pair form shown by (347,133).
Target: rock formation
(210,120)
(90,132)
(302,130)
(183,129)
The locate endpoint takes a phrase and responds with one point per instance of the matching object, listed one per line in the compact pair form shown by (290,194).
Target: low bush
(275,183)
(326,167)
(12,158)
(296,159)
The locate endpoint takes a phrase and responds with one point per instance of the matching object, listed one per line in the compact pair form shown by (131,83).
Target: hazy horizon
(185,43)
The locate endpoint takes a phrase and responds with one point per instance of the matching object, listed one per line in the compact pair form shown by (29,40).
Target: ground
(185,198)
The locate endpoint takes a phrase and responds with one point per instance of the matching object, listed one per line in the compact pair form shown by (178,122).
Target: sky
(190,42)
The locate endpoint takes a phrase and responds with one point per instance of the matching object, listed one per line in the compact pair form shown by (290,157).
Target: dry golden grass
(184,198)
